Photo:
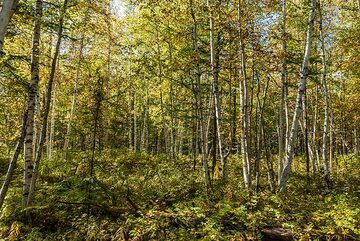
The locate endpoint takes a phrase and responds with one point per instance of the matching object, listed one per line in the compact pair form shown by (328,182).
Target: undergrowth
(143,197)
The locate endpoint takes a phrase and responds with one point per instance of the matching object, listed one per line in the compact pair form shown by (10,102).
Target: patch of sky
(266,21)
(118,8)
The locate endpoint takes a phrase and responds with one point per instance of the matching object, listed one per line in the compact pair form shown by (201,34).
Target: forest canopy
(179,120)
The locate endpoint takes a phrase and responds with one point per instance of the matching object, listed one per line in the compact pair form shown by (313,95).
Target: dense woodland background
(179,120)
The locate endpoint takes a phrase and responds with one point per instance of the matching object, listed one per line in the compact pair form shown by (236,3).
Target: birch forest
(144,120)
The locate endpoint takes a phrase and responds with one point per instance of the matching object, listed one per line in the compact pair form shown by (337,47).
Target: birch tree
(302,86)
(215,88)
(31,102)
(28,193)
(13,161)
(326,97)
(6,12)
(200,114)
(244,105)
(283,93)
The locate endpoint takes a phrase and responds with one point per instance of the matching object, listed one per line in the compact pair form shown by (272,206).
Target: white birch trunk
(12,165)
(215,86)
(47,104)
(52,124)
(283,94)
(326,99)
(31,104)
(198,96)
(302,85)
(6,12)
(244,113)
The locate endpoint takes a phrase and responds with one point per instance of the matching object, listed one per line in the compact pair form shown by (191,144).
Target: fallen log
(276,234)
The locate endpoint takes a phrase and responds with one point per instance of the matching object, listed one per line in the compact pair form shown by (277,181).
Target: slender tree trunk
(306,134)
(326,99)
(314,148)
(30,194)
(36,126)
(302,85)
(331,144)
(130,123)
(196,131)
(52,124)
(74,100)
(215,87)
(31,103)
(7,10)
(144,134)
(172,118)
(251,140)
(164,127)
(12,165)
(282,128)
(261,127)
(244,112)
(98,97)
(201,119)
(233,92)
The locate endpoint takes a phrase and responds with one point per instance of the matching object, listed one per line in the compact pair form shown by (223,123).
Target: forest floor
(143,197)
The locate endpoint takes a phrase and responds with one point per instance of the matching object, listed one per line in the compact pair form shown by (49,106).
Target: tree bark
(31,103)
(315,151)
(326,98)
(12,165)
(306,134)
(29,196)
(261,128)
(7,10)
(198,96)
(215,87)
(302,85)
(145,131)
(244,112)
(52,124)
(283,94)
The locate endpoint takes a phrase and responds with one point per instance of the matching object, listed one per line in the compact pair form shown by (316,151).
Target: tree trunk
(233,91)
(52,125)
(259,132)
(215,87)
(135,122)
(144,133)
(172,118)
(283,94)
(30,195)
(306,134)
(326,99)
(331,144)
(98,97)
(302,85)
(315,151)
(130,122)
(201,119)
(12,165)
(74,99)
(7,10)
(244,112)
(31,103)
